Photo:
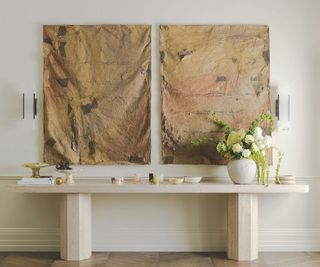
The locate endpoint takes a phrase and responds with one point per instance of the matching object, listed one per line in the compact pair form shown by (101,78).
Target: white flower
(254,148)
(246,153)
(221,147)
(237,148)
(263,153)
(261,145)
(249,139)
(257,133)
(267,141)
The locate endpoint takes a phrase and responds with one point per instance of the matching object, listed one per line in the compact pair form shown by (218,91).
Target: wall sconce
(23,106)
(34,106)
(282,110)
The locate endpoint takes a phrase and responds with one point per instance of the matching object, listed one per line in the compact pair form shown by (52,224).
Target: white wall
(287,222)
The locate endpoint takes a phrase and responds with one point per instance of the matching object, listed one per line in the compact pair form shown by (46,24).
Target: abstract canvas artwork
(97,94)
(205,69)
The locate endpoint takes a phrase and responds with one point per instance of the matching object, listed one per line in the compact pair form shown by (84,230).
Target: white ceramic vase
(242,171)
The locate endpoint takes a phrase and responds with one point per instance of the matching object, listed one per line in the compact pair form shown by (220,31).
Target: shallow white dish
(287,177)
(287,182)
(192,179)
(176,180)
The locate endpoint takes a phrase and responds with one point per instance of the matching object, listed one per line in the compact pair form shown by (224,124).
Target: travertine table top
(104,186)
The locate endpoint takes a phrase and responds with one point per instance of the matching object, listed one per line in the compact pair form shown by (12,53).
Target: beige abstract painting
(205,69)
(97,94)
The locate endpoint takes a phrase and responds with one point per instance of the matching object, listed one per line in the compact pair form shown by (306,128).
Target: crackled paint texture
(205,69)
(97,94)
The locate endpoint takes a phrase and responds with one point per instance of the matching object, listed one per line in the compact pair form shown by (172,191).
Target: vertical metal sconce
(35,109)
(26,107)
(23,106)
(282,110)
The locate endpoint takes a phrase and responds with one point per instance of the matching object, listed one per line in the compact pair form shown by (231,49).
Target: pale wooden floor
(125,259)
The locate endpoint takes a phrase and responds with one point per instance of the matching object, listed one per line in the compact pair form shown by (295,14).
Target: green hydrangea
(235,137)
(221,147)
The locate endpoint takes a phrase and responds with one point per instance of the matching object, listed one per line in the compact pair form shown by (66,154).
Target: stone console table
(75,210)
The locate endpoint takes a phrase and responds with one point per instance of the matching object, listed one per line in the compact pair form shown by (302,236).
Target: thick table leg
(75,227)
(243,227)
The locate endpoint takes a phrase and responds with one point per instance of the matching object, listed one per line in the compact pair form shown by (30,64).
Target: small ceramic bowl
(117,180)
(287,179)
(176,180)
(192,179)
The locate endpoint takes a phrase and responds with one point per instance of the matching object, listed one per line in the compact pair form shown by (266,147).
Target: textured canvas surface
(205,69)
(97,94)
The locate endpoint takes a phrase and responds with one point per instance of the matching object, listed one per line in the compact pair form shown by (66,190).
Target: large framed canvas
(96,86)
(205,69)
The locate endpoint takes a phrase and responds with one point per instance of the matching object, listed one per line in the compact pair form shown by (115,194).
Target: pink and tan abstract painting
(205,69)
(97,94)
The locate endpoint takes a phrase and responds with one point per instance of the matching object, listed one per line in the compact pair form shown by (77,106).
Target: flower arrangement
(240,144)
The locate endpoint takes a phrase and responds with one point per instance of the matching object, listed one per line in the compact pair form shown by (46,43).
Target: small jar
(117,180)
(136,178)
(151,177)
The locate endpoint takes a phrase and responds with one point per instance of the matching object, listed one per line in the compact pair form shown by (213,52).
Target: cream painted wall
(167,222)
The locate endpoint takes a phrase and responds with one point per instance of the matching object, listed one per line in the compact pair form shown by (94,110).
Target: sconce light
(34,106)
(23,106)
(282,110)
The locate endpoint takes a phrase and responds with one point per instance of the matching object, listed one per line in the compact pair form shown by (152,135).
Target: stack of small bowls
(287,179)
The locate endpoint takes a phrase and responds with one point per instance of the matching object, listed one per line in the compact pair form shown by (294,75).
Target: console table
(75,210)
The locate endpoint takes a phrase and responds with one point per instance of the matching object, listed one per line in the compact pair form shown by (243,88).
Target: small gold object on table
(59,181)
(35,167)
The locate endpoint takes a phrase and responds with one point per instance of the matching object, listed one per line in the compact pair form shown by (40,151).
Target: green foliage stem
(203,141)
(262,168)
(280,156)
(266,117)
(221,124)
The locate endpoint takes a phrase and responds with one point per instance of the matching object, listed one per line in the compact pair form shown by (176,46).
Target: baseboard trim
(289,239)
(29,239)
(270,239)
